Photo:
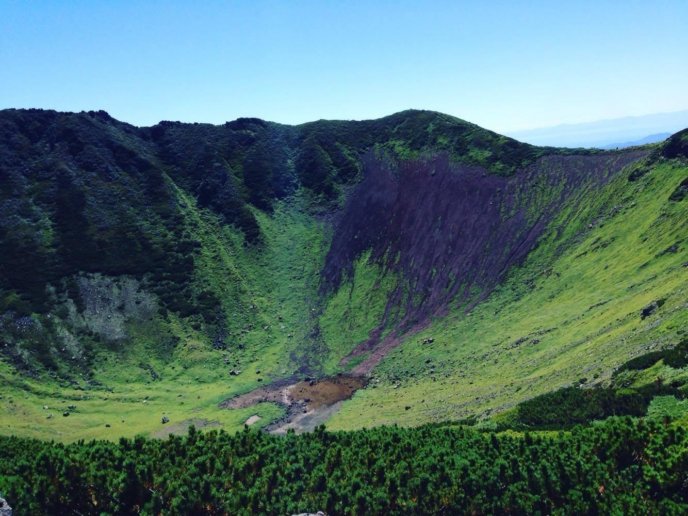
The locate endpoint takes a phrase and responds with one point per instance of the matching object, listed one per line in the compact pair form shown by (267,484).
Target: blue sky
(504,65)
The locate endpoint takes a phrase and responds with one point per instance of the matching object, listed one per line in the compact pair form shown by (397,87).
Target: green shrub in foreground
(623,464)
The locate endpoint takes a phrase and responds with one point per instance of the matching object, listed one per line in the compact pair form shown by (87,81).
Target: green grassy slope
(266,332)
(355,310)
(554,322)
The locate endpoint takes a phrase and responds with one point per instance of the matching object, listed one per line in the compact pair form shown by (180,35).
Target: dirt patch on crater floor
(327,391)
(253,420)
(309,402)
(276,392)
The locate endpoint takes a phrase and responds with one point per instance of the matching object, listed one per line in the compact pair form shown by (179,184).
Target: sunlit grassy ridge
(572,312)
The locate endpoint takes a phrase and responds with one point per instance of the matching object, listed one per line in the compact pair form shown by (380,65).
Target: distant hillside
(86,194)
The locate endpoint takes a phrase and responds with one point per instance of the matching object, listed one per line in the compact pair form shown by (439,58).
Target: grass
(130,408)
(554,321)
(267,322)
(267,318)
(355,310)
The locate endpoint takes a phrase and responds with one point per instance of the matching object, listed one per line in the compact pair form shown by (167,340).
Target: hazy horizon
(606,132)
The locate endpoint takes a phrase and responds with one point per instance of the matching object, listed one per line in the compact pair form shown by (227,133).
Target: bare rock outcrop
(5,509)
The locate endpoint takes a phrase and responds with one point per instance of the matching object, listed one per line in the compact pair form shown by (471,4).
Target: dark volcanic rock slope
(449,231)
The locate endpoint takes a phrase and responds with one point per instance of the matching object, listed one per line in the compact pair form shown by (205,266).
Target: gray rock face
(5,509)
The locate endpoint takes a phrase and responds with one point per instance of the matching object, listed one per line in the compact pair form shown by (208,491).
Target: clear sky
(505,65)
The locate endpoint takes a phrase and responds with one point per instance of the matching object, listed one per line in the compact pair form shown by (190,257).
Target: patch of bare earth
(252,420)
(309,402)
(374,350)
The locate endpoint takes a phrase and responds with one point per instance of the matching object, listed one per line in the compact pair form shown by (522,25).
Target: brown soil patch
(308,402)
(276,392)
(328,391)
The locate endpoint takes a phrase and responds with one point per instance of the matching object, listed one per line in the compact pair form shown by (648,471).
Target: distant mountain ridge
(605,133)
(653,138)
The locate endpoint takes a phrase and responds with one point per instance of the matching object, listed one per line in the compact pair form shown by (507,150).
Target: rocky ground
(309,402)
